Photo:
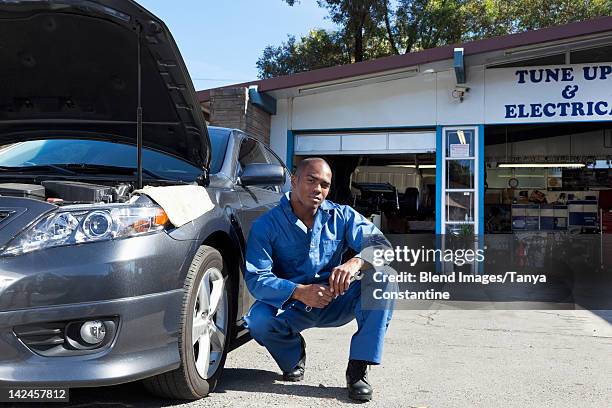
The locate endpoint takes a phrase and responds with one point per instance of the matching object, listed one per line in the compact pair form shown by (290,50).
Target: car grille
(42,337)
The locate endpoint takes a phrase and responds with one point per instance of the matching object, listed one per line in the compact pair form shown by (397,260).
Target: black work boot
(297,373)
(357,380)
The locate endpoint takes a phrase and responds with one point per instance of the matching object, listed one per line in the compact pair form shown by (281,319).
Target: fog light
(93,332)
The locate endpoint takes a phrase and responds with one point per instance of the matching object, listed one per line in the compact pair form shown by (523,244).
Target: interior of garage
(395,191)
(548,178)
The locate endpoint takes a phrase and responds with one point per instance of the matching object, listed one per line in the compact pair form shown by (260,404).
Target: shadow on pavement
(253,380)
(134,395)
(604,314)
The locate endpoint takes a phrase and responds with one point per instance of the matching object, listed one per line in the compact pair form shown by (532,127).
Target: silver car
(98,285)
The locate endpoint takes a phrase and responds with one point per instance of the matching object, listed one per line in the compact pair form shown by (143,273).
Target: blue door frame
(479,183)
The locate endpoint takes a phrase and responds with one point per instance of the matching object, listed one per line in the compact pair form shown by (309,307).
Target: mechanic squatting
(561,109)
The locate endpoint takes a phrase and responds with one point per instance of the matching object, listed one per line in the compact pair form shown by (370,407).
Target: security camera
(460,91)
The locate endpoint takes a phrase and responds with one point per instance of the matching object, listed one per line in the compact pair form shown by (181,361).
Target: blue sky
(221,40)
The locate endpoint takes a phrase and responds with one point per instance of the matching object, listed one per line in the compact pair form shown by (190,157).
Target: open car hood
(70,69)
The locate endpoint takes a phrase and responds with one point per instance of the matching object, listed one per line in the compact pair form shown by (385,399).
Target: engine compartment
(65,192)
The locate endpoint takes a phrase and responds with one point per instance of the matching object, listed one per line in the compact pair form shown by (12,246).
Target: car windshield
(100,153)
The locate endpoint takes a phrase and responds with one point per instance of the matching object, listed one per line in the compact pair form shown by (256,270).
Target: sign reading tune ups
(551,93)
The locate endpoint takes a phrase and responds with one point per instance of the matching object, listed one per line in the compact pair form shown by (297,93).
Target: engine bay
(64,192)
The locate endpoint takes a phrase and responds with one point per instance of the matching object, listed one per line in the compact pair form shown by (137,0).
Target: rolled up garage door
(365,143)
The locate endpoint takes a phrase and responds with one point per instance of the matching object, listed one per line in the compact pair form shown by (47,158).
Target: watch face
(513,183)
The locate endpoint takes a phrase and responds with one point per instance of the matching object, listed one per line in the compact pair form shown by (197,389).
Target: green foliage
(318,49)
(425,24)
(369,29)
(486,18)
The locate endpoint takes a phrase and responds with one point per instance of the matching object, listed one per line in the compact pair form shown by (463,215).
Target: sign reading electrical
(549,94)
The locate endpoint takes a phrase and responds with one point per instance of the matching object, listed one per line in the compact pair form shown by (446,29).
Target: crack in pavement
(489,329)
(564,317)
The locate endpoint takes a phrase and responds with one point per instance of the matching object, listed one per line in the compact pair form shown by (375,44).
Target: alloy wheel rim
(209,325)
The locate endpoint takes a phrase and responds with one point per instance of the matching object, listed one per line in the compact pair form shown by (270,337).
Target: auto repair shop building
(504,134)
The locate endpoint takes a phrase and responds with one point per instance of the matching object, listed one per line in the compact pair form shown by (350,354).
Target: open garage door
(388,176)
(549,178)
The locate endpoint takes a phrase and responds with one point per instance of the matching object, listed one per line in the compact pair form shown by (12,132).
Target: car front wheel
(205,330)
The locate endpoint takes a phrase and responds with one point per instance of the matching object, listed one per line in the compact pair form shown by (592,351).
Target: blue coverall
(282,253)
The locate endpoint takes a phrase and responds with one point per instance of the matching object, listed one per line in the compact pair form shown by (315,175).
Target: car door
(255,200)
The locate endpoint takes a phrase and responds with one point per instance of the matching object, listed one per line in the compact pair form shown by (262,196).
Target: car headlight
(81,225)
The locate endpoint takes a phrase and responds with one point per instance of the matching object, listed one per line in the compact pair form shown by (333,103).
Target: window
(599,54)
(273,158)
(218,143)
(460,194)
(460,174)
(556,59)
(460,207)
(251,152)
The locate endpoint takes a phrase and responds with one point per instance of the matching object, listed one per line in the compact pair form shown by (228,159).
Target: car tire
(207,286)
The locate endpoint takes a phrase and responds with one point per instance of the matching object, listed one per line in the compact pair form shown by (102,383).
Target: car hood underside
(71,68)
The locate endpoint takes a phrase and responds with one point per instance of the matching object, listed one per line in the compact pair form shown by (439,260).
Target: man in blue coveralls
(294,271)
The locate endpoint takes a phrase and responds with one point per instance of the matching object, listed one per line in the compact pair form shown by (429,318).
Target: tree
(318,49)
(369,29)
(358,19)
(536,14)
(361,32)
(487,18)
(423,24)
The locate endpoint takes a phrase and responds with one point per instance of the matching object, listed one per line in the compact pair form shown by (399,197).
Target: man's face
(311,187)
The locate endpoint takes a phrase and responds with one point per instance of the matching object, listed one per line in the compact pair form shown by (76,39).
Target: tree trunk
(413,30)
(358,35)
(385,11)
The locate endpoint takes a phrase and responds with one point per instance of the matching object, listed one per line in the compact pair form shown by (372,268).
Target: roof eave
(508,41)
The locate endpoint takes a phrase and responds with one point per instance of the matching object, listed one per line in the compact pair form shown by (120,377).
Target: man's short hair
(306,162)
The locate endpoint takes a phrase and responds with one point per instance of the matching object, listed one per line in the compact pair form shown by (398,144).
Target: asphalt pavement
(433,358)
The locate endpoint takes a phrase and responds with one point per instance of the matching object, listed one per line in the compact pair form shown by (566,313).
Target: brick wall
(230,107)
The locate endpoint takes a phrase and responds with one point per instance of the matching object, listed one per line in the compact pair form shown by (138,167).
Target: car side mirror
(262,174)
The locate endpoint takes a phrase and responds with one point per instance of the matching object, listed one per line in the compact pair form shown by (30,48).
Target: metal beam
(263,101)
(459,66)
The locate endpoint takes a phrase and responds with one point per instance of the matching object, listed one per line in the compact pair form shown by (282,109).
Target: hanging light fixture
(541,165)
(461,136)
(414,166)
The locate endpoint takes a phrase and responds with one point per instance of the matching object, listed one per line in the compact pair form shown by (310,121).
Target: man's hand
(341,275)
(314,295)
